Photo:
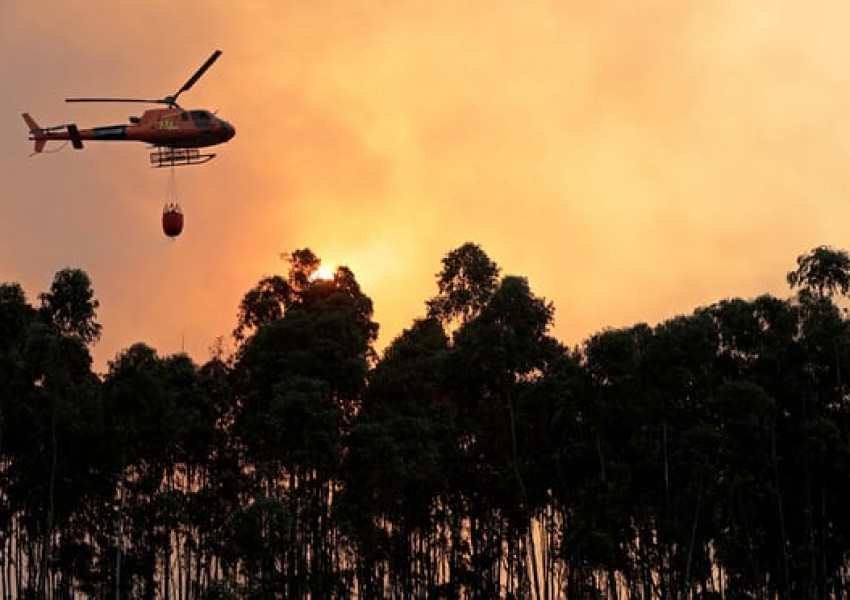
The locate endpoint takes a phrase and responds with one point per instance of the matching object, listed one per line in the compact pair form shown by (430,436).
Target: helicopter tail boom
(41,135)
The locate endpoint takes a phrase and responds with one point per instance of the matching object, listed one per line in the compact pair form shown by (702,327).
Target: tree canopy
(706,456)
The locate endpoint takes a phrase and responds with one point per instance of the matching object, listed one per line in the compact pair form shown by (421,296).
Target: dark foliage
(707,456)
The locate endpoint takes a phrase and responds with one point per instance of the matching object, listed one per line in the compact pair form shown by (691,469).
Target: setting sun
(322,274)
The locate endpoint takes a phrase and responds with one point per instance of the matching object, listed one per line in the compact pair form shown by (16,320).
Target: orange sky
(634,162)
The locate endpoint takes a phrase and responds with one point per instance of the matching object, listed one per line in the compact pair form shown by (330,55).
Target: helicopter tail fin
(34,131)
(30,122)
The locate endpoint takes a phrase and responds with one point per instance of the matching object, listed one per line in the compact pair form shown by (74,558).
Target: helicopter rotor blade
(168,100)
(198,74)
(135,100)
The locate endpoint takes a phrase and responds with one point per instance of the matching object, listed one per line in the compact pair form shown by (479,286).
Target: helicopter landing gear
(177,157)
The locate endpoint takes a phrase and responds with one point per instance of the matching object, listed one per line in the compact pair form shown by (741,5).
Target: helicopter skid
(178,157)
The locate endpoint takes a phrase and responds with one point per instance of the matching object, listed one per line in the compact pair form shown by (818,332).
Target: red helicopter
(175,133)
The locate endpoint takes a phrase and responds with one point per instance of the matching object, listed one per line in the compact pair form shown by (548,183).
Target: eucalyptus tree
(501,347)
(220,483)
(399,451)
(142,417)
(818,420)
(822,272)
(300,377)
(819,429)
(196,415)
(52,456)
(757,376)
(263,304)
(661,430)
(266,302)
(604,523)
(677,486)
(17,384)
(71,307)
(465,284)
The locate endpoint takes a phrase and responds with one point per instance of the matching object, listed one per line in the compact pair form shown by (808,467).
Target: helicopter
(175,134)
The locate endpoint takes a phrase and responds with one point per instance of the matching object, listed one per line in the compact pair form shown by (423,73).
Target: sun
(322,274)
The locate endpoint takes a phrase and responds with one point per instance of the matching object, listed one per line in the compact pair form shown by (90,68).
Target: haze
(633,161)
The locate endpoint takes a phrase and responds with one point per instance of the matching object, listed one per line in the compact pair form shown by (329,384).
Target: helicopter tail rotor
(34,131)
(31,123)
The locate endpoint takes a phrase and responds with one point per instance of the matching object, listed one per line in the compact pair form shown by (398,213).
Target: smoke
(634,161)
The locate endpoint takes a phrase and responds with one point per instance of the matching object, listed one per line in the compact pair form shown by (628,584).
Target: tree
(400,449)
(299,383)
(498,354)
(466,283)
(266,302)
(822,270)
(51,441)
(71,307)
(261,305)
(706,456)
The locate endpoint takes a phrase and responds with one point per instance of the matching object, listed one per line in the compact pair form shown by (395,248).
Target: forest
(703,457)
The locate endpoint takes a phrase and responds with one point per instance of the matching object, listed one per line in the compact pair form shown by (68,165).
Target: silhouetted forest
(707,456)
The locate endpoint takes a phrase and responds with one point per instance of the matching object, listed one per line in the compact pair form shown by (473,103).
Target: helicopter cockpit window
(202,118)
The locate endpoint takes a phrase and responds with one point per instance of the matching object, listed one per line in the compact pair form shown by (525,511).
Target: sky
(634,161)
